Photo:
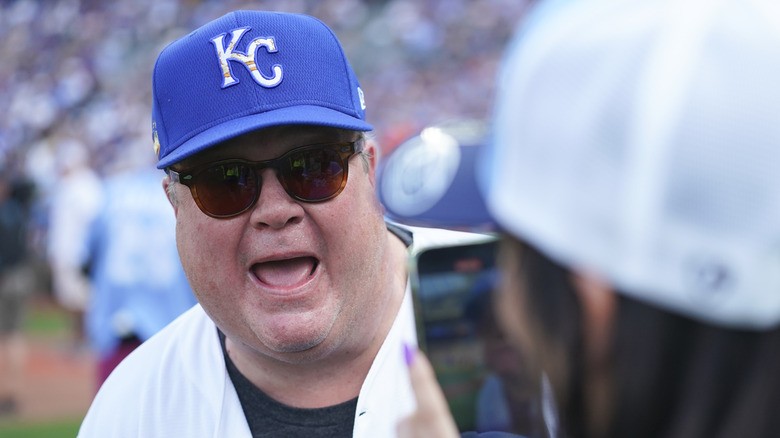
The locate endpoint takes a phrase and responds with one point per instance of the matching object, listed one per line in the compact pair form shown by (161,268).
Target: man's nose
(274,208)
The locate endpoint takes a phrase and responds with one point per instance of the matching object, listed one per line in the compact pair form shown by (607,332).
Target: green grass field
(43,321)
(66,428)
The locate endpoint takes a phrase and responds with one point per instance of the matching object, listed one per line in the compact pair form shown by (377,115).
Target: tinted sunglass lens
(315,174)
(227,189)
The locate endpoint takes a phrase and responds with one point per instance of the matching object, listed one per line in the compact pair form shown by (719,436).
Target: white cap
(641,140)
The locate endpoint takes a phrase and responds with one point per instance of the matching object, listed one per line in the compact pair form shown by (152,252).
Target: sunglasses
(227,188)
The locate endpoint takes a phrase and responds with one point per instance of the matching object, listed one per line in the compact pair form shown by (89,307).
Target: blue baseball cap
(250,70)
(430,179)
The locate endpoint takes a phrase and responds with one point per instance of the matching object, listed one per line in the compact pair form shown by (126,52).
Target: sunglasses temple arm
(173,175)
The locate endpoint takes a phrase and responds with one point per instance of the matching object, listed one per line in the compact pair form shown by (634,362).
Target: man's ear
(599,305)
(169,187)
(371,152)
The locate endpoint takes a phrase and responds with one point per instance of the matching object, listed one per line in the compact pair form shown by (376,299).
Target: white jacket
(176,384)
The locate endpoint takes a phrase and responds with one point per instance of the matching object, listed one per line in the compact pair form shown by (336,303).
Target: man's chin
(303,347)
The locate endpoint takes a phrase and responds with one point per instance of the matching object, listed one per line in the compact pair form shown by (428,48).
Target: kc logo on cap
(229,53)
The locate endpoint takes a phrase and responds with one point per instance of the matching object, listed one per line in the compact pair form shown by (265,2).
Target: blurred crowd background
(75,88)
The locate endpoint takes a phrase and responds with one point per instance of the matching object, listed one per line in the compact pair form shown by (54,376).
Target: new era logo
(229,53)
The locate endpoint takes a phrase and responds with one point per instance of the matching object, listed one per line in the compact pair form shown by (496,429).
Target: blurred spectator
(17,281)
(138,282)
(75,203)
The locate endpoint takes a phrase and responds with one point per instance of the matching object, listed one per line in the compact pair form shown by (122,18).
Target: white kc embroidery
(248,58)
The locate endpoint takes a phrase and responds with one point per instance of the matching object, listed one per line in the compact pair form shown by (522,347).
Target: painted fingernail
(409,354)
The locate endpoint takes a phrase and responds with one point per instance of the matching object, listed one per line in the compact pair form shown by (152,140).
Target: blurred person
(304,303)
(138,284)
(17,281)
(634,169)
(75,201)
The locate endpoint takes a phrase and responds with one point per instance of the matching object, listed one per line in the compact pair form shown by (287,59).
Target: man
(634,168)
(259,122)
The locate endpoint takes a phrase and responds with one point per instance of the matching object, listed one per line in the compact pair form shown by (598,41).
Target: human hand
(432,417)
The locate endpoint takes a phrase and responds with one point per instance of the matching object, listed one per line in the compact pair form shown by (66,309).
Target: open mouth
(286,273)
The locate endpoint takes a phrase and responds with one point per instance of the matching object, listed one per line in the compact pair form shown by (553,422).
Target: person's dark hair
(553,317)
(673,377)
(679,378)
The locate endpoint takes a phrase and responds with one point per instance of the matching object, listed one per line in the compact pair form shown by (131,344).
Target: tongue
(285,273)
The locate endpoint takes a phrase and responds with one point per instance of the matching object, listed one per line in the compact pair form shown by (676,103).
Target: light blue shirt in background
(138,282)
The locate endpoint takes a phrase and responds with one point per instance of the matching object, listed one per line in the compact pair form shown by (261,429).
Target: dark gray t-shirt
(268,418)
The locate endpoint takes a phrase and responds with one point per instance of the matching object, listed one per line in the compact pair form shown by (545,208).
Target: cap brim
(298,115)
(430,180)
